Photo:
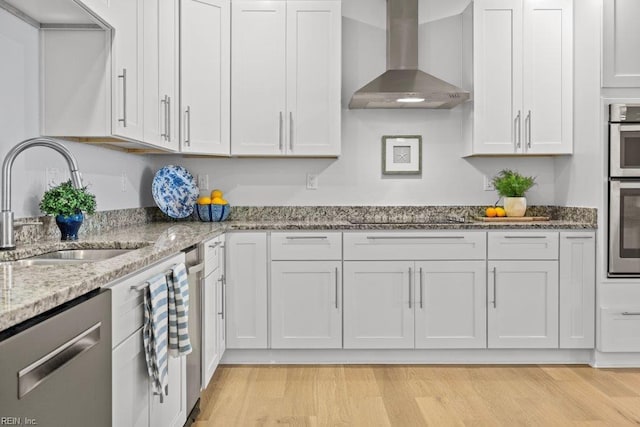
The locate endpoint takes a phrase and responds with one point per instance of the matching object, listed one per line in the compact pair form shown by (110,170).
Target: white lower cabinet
(378,311)
(133,400)
(450,304)
(213,344)
(246,299)
(131,393)
(523,304)
(577,289)
(306,306)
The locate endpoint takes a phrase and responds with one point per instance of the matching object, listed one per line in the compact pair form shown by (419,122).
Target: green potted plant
(512,186)
(68,203)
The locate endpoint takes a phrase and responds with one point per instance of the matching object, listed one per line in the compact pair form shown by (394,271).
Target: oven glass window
(630,223)
(630,150)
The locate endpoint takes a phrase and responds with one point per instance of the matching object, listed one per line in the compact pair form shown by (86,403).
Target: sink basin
(71,256)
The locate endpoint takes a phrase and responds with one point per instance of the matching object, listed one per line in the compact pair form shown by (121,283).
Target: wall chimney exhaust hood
(403,85)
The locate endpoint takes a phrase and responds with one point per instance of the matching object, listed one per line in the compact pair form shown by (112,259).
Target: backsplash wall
(355,178)
(104,171)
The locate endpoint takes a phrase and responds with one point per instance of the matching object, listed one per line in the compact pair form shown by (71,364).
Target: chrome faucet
(7,240)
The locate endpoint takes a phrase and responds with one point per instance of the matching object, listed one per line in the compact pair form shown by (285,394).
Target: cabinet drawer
(306,246)
(212,254)
(620,329)
(432,245)
(127,303)
(523,245)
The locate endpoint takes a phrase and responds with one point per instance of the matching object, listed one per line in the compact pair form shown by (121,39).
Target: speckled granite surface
(29,291)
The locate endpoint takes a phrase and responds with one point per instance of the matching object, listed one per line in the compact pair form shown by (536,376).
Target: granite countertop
(29,291)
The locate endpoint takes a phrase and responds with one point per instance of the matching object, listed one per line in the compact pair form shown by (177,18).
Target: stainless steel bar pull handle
(579,237)
(280,138)
(525,237)
(307,237)
(518,129)
(529,129)
(495,295)
(168,118)
(123,76)
(222,283)
(30,377)
(412,237)
(337,287)
(628,313)
(163,101)
(187,126)
(291,131)
(410,283)
(421,305)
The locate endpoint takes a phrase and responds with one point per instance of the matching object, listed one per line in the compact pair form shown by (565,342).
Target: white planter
(515,206)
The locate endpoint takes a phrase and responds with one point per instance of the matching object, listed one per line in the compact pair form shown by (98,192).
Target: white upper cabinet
(205,77)
(523,77)
(258,88)
(621,62)
(286,86)
(161,73)
(128,76)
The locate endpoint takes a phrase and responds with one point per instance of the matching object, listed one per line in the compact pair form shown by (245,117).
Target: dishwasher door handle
(193,269)
(30,377)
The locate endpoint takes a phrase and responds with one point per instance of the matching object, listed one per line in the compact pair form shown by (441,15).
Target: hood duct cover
(403,85)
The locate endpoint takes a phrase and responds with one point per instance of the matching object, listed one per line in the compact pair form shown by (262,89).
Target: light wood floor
(407,396)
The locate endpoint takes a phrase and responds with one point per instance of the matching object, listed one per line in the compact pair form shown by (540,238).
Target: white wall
(19,119)
(355,178)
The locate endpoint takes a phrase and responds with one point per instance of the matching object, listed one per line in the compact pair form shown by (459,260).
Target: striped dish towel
(179,344)
(155,330)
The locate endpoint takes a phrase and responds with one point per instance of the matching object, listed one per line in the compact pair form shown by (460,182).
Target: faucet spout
(7,240)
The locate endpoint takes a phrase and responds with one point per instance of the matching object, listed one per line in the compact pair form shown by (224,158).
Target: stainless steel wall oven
(624,190)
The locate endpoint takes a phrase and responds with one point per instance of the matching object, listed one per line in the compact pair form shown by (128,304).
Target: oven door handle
(629,128)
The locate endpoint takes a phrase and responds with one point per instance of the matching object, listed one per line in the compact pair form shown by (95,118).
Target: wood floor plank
(408,396)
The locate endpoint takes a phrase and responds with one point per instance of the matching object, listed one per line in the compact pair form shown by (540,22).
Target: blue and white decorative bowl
(175,191)
(212,213)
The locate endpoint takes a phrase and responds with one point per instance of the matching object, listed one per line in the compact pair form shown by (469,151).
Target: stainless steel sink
(71,256)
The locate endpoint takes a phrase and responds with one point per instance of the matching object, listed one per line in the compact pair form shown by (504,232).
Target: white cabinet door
(205,76)
(306,306)
(523,304)
(378,306)
(313,77)
(100,8)
(130,383)
(160,73)
(220,300)
(127,58)
(210,354)
(548,77)
(498,115)
(450,300)
(258,61)
(246,299)
(621,62)
(172,412)
(577,289)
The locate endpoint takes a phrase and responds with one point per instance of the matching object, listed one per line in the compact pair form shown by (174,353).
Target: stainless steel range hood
(403,85)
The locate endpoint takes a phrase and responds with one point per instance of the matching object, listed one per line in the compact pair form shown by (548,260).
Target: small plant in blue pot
(68,203)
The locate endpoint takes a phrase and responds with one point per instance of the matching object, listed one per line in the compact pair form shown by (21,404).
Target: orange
(219,201)
(500,212)
(204,200)
(215,194)
(490,212)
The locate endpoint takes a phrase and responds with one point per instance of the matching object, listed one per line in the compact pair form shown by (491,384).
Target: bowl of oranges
(213,208)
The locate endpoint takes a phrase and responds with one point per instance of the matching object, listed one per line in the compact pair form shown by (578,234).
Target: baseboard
(616,360)
(450,357)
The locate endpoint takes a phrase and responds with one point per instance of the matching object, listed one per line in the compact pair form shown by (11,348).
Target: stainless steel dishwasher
(195,267)
(56,368)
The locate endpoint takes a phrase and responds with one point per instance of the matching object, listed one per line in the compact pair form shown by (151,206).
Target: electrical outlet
(203,182)
(312,181)
(51,177)
(488,184)
(123,182)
